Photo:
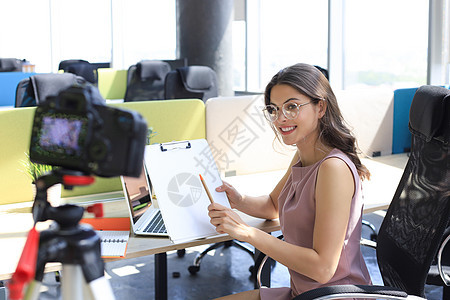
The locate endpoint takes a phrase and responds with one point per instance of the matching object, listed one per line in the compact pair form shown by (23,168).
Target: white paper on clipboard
(174,170)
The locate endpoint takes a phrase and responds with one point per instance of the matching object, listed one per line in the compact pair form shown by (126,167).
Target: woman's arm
(334,192)
(265,206)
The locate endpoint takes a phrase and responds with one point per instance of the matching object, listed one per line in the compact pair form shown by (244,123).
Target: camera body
(77,130)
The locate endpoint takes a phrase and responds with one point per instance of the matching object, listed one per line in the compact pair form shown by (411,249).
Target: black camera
(78,131)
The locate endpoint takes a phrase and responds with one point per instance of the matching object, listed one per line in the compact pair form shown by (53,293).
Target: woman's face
(302,128)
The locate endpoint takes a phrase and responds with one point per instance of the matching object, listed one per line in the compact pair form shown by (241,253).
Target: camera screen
(61,135)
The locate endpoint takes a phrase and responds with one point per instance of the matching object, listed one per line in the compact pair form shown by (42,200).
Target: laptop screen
(137,194)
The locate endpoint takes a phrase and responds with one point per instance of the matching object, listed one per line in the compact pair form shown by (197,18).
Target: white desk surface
(16,219)
(386,172)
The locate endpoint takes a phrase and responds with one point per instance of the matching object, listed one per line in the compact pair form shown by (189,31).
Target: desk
(386,172)
(11,243)
(16,220)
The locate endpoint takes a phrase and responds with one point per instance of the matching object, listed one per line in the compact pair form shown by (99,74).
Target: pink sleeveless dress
(297,212)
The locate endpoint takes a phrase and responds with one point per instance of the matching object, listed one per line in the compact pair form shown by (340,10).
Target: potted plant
(150,135)
(34,171)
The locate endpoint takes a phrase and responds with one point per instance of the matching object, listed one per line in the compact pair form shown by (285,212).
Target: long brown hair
(309,81)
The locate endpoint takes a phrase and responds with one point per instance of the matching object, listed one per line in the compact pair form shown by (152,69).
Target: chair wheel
(181,252)
(193,269)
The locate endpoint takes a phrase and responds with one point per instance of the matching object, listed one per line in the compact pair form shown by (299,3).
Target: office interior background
(363,43)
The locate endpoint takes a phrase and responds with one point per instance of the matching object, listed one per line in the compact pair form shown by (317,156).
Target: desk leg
(161,276)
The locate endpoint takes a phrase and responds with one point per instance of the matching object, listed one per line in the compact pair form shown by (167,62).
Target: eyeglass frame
(283,111)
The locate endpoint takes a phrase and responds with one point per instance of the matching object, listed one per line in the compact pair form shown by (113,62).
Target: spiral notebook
(114,234)
(113,243)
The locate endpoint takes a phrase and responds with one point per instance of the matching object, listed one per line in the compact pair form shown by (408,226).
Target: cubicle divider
(112,83)
(170,119)
(401,137)
(8,85)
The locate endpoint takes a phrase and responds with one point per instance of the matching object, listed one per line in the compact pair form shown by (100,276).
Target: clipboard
(174,170)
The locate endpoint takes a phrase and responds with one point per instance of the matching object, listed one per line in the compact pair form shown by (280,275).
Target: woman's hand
(233,195)
(228,221)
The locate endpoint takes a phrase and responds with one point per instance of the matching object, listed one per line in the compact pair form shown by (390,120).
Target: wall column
(204,37)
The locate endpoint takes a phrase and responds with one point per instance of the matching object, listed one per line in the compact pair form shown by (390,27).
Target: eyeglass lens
(290,111)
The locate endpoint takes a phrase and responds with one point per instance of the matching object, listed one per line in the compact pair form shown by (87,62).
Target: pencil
(206,188)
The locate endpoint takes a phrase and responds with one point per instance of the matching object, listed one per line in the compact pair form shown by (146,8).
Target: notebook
(113,242)
(114,234)
(146,219)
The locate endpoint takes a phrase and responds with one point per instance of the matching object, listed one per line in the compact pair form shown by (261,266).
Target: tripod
(75,246)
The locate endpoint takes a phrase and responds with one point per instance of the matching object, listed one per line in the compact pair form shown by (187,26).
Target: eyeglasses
(290,111)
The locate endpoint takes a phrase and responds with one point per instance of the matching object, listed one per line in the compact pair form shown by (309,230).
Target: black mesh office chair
(81,68)
(34,89)
(413,229)
(198,82)
(10,65)
(145,80)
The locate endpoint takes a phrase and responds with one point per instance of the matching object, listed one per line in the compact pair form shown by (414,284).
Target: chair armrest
(445,278)
(261,265)
(364,242)
(354,291)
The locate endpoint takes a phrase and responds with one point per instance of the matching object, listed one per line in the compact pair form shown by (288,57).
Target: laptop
(145,218)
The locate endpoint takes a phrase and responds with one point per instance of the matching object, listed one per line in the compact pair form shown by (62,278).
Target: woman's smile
(285,130)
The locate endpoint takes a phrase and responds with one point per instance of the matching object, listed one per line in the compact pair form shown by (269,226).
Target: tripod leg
(93,270)
(101,289)
(72,282)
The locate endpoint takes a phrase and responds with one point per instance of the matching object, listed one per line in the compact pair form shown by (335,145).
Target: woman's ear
(322,105)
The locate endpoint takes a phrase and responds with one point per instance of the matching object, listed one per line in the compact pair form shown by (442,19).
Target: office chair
(35,89)
(10,65)
(413,229)
(198,82)
(145,80)
(64,64)
(177,63)
(81,68)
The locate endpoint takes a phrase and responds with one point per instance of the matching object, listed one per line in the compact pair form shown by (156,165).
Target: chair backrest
(145,80)
(10,65)
(35,89)
(64,64)
(81,68)
(414,224)
(198,82)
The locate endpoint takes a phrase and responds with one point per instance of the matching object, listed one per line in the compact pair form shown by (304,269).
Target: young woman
(318,201)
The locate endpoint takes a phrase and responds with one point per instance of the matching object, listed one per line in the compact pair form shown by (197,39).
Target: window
(385,43)
(147,31)
(25,32)
(81,29)
(282,33)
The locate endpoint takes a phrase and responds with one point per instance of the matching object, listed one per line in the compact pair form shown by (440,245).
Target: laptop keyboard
(156,225)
